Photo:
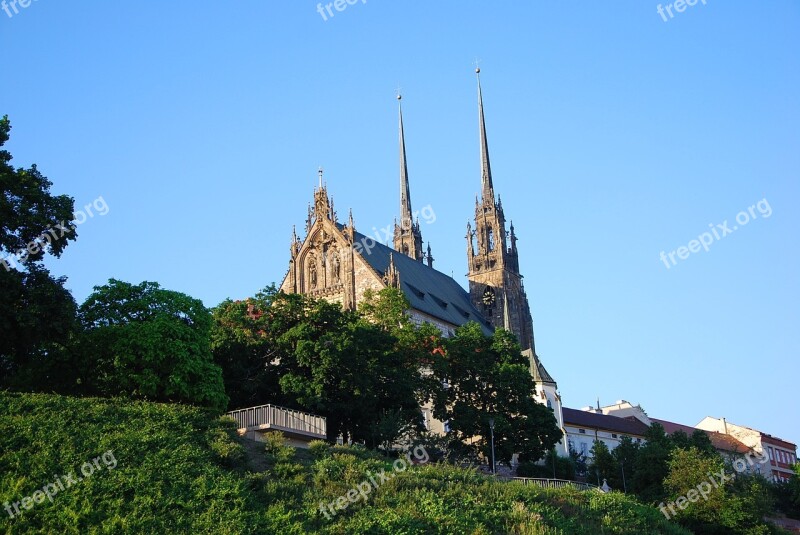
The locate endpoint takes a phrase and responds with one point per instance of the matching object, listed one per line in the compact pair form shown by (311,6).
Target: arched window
(490,238)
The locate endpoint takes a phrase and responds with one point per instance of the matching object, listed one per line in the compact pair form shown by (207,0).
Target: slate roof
(427,290)
(592,420)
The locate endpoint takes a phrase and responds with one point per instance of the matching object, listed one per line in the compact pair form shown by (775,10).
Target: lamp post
(491,429)
(624,485)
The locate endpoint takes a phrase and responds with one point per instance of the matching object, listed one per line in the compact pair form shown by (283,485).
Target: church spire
(493,265)
(407,235)
(486,168)
(405,191)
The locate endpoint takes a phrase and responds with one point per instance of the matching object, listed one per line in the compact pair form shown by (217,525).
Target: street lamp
(491,428)
(624,484)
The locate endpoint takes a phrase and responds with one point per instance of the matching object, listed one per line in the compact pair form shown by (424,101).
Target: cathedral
(337,263)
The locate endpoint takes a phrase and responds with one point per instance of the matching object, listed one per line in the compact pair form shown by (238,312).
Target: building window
(446,426)
(584,448)
(426,421)
(613,435)
(549,405)
(582,431)
(771,453)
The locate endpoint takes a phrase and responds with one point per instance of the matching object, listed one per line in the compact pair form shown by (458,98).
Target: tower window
(490,238)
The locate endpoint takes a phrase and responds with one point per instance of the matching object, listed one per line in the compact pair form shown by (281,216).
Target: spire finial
(321,171)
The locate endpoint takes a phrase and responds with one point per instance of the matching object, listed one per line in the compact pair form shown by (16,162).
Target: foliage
(488,378)
(553,466)
(787,495)
(245,351)
(360,370)
(652,465)
(169,479)
(38,313)
(625,457)
(149,343)
(736,505)
(603,465)
(176,469)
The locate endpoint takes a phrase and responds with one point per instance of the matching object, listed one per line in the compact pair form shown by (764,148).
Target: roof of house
(427,290)
(720,441)
(627,426)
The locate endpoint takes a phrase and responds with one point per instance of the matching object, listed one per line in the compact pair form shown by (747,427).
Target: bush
(319,449)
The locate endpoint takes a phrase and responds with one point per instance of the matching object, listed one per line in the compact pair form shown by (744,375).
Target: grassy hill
(156,468)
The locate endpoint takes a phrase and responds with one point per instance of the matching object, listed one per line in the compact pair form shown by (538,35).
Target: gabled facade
(782,454)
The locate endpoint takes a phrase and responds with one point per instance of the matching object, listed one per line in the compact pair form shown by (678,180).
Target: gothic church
(336,262)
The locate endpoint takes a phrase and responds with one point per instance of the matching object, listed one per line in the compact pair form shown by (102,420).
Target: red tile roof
(720,441)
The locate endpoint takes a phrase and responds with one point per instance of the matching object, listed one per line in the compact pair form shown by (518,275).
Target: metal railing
(280,418)
(554,483)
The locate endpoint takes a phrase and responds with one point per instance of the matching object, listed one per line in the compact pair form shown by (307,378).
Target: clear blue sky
(614,135)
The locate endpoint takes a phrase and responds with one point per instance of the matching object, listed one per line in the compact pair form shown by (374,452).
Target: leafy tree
(699,440)
(713,503)
(787,495)
(603,465)
(243,346)
(553,466)
(625,458)
(488,377)
(338,365)
(38,313)
(150,343)
(651,465)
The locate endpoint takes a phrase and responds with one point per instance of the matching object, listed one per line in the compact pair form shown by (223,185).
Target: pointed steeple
(405,191)
(486,168)
(407,235)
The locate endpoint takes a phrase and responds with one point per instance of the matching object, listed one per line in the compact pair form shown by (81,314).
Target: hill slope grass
(156,468)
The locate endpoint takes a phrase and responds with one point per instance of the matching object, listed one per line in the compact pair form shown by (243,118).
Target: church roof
(540,373)
(427,290)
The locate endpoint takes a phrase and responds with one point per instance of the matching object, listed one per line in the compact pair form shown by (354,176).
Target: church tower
(407,235)
(495,283)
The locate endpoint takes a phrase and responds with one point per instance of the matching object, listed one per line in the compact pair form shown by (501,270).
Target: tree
(603,465)
(710,503)
(243,346)
(624,458)
(146,342)
(488,377)
(38,313)
(338,365)
(651,465)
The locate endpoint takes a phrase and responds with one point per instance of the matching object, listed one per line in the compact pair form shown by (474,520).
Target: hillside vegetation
(176,469)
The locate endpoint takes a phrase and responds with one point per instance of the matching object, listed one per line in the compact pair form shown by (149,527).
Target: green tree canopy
(488,378)
(147,342)
(38,313)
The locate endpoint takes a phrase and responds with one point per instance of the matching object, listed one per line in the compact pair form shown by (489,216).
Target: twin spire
(407,234)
